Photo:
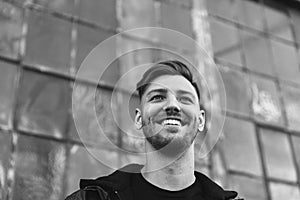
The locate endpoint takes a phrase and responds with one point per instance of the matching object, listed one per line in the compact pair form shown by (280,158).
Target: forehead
(171,83)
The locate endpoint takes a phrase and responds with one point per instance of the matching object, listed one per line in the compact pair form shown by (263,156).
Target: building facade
(255,45)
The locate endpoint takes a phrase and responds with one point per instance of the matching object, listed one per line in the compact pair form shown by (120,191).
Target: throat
(174,182)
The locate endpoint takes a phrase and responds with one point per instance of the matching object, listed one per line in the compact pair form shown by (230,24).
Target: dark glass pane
(278,22)
(176,18)
(87,40)
(286,62)
(43,104)
(240,146)
(238,91)
(102,12)
(82,165)
(134,12)
(11,18)
(278,155)
(250,13)
(223,8)
(257,53)
(291,98)
(8,74)
(5,160)
(225,42)
(92,111)
(39,169)
(281,191)
(248,188)
(296,145)
(48,41)
(265,101)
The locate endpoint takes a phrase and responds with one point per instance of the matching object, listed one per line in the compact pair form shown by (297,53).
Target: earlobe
(138,119)
(202,120)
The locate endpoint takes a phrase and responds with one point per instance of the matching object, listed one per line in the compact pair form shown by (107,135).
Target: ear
(202,120)
(138,122)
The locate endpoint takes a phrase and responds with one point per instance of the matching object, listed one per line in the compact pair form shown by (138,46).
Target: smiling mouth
(171,122)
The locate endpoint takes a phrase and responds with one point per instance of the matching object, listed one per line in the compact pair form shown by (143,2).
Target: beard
(170,141)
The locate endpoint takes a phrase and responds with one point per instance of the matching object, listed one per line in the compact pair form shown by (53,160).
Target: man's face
(170,113)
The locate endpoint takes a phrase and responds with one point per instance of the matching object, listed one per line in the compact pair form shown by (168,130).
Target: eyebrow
(159,90)
(164,90)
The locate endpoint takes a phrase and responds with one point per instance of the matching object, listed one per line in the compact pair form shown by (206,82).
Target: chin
(174,144)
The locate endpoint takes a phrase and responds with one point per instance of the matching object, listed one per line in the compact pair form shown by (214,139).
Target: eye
(185,100)
(157,98)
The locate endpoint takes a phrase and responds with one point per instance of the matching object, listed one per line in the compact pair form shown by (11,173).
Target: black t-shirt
(143,190)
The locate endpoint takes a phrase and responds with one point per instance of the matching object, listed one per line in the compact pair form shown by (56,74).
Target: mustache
(163,116)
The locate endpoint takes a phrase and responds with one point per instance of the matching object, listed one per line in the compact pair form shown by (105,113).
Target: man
(170,118)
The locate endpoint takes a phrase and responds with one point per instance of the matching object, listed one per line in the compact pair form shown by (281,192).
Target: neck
(170,173)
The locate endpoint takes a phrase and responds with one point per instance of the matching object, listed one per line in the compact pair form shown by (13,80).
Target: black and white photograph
(150,99)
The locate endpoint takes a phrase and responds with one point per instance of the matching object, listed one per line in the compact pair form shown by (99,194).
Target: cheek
(190,113)
(151,110)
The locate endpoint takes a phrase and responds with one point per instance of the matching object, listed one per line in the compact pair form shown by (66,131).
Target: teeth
(171,122)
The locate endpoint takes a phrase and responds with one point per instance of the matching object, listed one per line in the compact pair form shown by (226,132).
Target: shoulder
(87,193)
(213,190)
(105,186)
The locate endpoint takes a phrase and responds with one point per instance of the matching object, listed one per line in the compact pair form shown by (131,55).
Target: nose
(172,106)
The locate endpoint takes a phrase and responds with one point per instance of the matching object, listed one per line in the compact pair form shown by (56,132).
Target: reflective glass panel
(8,74)
(238,91)
(248,188)
(295,15)
(278,22)
(64,6)
(257,53)
(218,168)
(225,42)
(87,39)
(43,104)
(176,18)
(240,146)
(82,165)
(11,18)
(296,145)
(278,155)
(281,191)
(134,63)
(39,169)
(250,13)
(223,8)
(133,12)
(265,100)
(101,12)
(187,3)
(291,98)
(132,139)
(286,61)
(48,41)
(5,158)
(92,110)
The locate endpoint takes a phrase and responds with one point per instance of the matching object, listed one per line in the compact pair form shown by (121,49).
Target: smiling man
(170,118)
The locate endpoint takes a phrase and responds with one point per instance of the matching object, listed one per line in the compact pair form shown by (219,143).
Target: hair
(168,67)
